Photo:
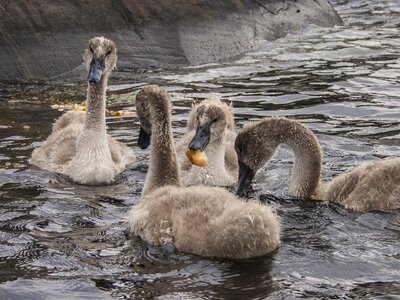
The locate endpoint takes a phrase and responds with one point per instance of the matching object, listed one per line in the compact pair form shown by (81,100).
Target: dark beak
(95,71)
(201,138)
(246,175)
(144,139)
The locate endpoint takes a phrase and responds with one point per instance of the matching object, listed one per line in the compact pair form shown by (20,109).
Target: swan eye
(215,120)
(91,49)
(108,52)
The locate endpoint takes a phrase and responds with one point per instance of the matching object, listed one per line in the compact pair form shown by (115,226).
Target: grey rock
(42,39)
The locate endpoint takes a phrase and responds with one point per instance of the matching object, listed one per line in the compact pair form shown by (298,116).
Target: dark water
(59,240)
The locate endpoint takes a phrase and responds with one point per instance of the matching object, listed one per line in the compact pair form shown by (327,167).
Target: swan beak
(246,175)
(201,138)
(95,71)
(144,139)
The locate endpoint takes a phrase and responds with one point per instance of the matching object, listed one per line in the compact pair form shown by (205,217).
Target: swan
(79,146)
(206,221)
(210,128)
(372,185)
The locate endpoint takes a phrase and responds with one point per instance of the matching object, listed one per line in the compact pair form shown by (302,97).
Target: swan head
(253,149)
(212,119)
(100,58)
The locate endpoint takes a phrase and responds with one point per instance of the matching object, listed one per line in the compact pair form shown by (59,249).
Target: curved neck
(96,106)
(163,168)
(307,152)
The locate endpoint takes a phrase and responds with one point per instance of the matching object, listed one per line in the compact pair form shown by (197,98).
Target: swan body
(207,221)
(221,168)
(79,146)
(372,185)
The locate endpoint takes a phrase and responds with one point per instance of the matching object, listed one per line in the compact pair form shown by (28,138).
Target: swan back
(374,185)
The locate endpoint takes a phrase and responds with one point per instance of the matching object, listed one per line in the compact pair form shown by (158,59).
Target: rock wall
(41,39)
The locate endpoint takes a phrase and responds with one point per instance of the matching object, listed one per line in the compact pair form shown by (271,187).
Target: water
(66,241)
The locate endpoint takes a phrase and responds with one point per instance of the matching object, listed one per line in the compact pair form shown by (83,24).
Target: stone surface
(42,39)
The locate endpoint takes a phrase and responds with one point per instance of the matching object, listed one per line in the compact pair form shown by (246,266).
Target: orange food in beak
(197,157)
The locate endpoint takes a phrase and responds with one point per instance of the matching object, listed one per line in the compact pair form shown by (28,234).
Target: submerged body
(207,221)
(372,185)
(79,146)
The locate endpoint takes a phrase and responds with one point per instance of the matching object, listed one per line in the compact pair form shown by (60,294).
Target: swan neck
(215,153)
(307,157)
(96,106)
(163,168)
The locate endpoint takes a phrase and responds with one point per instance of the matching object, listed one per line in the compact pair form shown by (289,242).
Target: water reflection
(57,237)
